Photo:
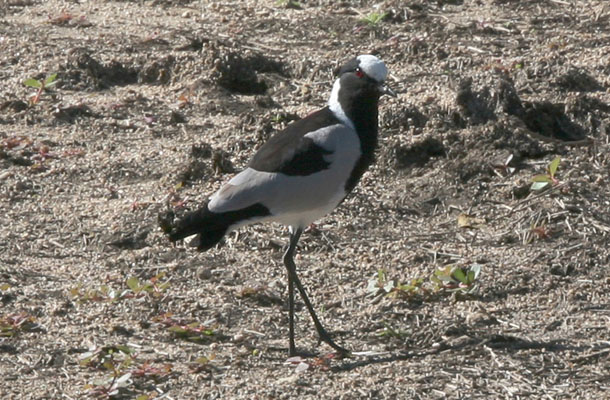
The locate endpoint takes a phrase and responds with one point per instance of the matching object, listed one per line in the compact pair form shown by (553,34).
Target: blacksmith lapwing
(301,174)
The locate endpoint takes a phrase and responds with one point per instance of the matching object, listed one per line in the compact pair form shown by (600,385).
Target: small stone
(204,273)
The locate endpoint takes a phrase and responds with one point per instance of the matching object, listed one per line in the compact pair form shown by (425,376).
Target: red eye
(359,73)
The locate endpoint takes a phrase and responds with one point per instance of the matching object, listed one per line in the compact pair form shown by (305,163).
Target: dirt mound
(238,73)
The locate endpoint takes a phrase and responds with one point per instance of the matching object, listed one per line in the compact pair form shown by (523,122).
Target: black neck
(362,110)
(364,115)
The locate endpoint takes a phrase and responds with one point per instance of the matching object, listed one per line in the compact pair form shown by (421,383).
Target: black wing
(290,152)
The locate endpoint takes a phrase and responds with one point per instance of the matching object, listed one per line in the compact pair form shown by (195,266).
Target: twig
(337,303)
(537,196)
(587,357)
(476,50)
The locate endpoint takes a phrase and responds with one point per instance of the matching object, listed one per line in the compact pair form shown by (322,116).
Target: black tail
(209,226)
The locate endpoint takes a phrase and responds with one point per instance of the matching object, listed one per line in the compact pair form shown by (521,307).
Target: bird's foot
(325,337)
(166,221)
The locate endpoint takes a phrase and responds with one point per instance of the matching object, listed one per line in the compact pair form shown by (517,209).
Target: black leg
(293,349)
(293,279)
(294,238)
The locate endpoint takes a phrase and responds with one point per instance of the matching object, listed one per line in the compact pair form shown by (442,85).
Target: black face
(354,78)
(349,66)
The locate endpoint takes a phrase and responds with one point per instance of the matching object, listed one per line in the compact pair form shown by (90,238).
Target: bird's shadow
(496,342)
(351,364)
(485,342)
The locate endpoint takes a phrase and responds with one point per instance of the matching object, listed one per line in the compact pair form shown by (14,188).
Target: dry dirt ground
(156,103)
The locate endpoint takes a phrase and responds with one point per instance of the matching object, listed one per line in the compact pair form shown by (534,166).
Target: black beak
(383,89)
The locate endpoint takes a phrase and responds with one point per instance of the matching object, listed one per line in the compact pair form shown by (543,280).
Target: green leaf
(108,365)
(553,166)
(5,286)
(126,363)
(32,83)
(147,287)
(459,275)
(86,361)
(374,18)
(124,349)
(177,330)
(7,331)
(202,360)
(133,283)
(444,274)
(541,178)
(51,80)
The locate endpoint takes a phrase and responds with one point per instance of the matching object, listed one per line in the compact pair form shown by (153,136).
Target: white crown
(373,67)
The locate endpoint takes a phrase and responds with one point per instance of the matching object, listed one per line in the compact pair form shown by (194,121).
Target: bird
(299,175)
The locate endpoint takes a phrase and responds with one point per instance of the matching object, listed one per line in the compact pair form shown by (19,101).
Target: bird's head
(365,74)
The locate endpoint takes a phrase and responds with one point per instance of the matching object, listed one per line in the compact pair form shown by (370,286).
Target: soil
(157,102)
